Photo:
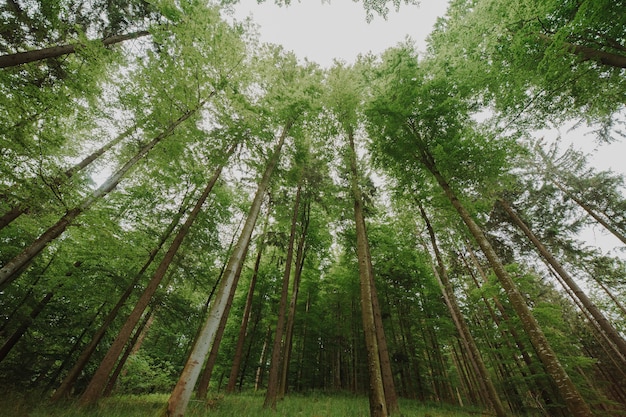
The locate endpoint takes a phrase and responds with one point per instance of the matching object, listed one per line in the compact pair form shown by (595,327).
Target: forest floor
(237,405)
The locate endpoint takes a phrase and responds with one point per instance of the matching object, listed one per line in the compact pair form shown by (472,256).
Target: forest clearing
(194,222)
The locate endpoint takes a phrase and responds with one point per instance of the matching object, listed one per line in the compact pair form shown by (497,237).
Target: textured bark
(572,397)
(243,329)
(273,381)
(16,266)
(457,317)
(70,379)
(179,399)
(376,392)
(99,379)
(20,58)
(203,384)
(613,335)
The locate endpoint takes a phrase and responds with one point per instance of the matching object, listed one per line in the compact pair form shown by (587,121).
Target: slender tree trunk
(260,370)
(300,257)
(24,207)
(574,400)
(130,348)
(177,403)
(203,384)
(75,347)
(605,325)
(273,381)
(466,337)
(15,267)
(19,332)
(590,211)
(70,379)
(243,330)
(19,58)
(377,399)
(99,379)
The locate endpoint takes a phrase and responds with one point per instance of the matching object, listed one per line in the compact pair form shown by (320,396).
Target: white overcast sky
(322,31)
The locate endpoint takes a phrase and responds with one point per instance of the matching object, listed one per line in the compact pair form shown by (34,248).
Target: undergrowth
(236,405)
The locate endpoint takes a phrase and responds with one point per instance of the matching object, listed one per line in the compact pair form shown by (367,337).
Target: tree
(413,126)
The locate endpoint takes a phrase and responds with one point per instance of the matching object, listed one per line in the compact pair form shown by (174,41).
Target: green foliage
(143,375)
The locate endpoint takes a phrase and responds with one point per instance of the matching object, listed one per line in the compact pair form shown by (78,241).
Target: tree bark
(203,384)
(17,265)
(574,400)
(273,381)
(234,370)
(99,379)
(457,317)
(20,58)
(177,403)
(377,399)
(613,335)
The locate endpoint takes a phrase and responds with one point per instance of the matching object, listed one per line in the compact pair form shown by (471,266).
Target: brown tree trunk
(273,381)
(99,379)
(574,400)
(590,54)
(19,58)
(19,332)
(177,403)
(377,399)
(68,382)
(457,317)
(300,258)
(130,347)
(237,358)
(605,325)
(16,266)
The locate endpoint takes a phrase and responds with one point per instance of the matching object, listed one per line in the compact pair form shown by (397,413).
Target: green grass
(238,405)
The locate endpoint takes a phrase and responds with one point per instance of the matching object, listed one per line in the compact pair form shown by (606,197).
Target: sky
(322,31)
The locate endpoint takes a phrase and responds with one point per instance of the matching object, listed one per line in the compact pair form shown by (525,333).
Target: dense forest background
(186,210)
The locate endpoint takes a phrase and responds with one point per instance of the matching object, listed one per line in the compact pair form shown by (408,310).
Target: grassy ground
(239,405)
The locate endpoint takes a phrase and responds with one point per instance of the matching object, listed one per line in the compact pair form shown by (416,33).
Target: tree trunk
(203,385)
(177,403)
(574,400)
(587,53)
(605,325)
(19,332)
(132,346)
(273,381)
(15,267)
(590,212)
(457,317)
(69,380)
(99,379)
(300,258)
(24,207)
(377,399)
(19,58)
(243,330)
